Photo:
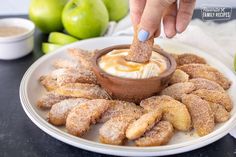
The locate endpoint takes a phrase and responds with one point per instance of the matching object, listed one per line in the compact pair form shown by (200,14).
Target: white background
(21,6)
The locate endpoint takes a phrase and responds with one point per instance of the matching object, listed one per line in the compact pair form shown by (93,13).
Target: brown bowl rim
(102,52)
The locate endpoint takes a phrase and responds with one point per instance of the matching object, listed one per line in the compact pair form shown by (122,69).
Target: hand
(149,13)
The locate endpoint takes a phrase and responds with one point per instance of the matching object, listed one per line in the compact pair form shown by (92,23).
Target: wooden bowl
(129,89)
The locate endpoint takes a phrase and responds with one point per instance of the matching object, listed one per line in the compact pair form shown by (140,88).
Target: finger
(151,18)
(157,33)
(136,10)
(184,15)
(169,20)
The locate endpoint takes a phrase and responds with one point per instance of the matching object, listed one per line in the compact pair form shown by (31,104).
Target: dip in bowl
(16,38)
(130,81)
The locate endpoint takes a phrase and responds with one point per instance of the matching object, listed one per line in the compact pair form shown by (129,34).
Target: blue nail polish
(143,35)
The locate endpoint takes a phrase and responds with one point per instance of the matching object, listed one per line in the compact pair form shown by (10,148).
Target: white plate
(31,91)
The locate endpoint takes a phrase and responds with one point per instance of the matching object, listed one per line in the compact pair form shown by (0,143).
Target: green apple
(85,18)
(46,14)
(48,47)
(117,9)
(61,38)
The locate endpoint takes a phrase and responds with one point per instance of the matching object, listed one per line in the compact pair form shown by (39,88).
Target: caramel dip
(114,63)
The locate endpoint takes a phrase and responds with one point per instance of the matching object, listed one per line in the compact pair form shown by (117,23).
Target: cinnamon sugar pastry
(82,90)
(160,134)
(179,76)
(178,89)
(82,116)
(49,99)
(137,128)
(172,110)
(214,96)
(201,114)
(201,83)
(113,131)
(207,72)
(64,76)
(60,110)
(220,113)
(188,58)
(121,108)
(140,51)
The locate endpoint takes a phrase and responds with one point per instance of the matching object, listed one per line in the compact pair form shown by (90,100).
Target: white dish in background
(13,47)
(31,91)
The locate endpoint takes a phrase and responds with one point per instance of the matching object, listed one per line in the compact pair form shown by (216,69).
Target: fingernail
(143,35)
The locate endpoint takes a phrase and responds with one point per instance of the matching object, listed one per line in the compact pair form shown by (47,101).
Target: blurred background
(21,6)
(219,33)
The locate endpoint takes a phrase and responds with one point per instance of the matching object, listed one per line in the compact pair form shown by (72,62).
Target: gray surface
(20,137)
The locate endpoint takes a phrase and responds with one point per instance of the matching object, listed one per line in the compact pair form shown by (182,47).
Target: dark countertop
(20,137)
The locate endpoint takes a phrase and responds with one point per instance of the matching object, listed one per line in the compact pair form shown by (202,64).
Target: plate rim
(110,149)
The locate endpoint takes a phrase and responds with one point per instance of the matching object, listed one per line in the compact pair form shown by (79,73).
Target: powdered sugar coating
(201,83)
(49,99)
(207,72)
(121,108)
(160,134)
(82,90)
(178,89)
(201,114)
(82,116)
(59,111)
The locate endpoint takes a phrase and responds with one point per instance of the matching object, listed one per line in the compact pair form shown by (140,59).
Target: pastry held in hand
(140,51)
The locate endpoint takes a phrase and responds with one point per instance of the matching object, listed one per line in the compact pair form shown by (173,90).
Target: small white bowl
(13,47)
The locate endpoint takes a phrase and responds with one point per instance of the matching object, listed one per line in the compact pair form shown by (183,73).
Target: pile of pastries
(196,98)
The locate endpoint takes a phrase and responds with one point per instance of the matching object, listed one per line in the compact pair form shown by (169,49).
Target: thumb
(151,18)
